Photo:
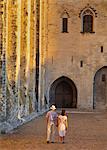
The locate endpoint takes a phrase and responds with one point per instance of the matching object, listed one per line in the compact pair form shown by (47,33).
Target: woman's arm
(66,123)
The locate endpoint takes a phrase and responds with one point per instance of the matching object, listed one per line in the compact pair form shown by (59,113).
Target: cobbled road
(87,131)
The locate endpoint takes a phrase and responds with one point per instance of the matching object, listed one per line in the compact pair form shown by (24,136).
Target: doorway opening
(100,89)
(63,93)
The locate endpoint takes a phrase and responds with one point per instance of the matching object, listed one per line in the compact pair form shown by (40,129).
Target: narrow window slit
(81,63)
(101,49)
(65,25)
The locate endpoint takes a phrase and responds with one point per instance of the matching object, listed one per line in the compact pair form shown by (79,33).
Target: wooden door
(64,95)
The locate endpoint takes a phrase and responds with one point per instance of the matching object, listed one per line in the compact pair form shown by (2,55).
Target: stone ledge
(8,125)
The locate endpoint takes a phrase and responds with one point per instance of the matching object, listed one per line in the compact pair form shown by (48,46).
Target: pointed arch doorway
(100,89)
(63,93)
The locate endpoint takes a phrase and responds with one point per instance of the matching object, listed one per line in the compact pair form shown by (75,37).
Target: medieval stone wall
(18,103)
(2,60)
(43,43)
(65,51)
(34,53)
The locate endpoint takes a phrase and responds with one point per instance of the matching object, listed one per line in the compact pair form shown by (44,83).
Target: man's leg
(53,132)
(48,132)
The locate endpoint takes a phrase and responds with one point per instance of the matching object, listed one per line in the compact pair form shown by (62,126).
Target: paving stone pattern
(87,131)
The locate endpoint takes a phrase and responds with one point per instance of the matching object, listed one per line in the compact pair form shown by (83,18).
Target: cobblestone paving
(87,131)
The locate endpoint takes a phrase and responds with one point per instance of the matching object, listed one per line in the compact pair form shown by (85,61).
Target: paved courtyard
(87,131)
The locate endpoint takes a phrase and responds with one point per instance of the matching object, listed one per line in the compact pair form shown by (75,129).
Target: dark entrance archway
(100,89)
(63,93)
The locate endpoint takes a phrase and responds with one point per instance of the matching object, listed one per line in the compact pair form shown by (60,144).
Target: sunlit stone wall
(65,51)
(2,60)
(43,103)
(17,60)
(21,56)
(11,57)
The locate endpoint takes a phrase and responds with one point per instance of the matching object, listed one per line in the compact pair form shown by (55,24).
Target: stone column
(30,58)
(43,51)
(27,73)
(34,33)
(40,89)
(32,63)
(18,55)
(11,59)
(45,48)
(27,55)
(2,60)
(23,57)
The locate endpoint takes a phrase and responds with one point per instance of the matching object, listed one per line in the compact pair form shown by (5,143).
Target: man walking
(52,122)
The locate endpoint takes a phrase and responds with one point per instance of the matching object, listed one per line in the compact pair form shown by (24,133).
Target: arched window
(65,17)
(88,23)
(64,24)
(87,20)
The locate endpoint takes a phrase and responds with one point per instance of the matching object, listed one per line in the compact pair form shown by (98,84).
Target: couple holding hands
(54,120)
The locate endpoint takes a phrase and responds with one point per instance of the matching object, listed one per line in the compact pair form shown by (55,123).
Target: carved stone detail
(88,10)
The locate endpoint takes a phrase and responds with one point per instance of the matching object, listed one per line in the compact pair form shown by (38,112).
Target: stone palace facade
(51,52)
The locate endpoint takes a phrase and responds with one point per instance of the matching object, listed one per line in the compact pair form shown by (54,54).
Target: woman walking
(62,125)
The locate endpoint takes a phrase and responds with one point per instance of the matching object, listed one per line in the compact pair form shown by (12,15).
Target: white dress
(62,125)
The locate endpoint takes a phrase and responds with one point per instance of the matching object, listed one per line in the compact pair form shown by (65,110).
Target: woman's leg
(53,130)
(60,138)
(63,139)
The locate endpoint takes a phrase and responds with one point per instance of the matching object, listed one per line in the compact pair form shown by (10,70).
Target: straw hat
(52,107)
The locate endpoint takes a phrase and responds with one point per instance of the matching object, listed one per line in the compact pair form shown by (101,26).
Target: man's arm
(47,117)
